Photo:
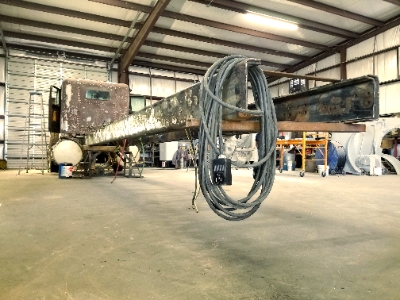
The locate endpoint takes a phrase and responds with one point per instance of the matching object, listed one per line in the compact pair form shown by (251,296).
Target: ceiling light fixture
(271,21)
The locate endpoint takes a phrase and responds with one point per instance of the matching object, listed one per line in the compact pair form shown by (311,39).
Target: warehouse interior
(259,111)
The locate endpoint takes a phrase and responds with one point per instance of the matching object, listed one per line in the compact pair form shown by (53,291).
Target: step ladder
(34,143)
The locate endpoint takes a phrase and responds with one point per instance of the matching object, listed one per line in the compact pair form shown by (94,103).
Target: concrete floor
(313,238)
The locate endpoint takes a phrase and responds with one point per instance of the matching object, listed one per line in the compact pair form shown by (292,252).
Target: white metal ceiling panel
(215,47)
(370,8)
(375,9)
(95,8)
(60,35)
(242,20)
(62,20)
(234,37)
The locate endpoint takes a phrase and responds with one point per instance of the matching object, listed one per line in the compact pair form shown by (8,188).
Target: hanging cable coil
(211,139)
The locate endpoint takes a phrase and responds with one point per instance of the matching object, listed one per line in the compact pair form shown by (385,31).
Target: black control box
(221,168)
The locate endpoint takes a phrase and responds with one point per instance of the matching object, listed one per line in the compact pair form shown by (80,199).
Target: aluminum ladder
(34,142)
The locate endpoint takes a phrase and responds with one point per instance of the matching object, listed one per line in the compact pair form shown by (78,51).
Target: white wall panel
(360,67)
(163,87)
(1,151)
(274,90)
(332,73)
(95,73)
(385,40)
(280,90)
(386,66)
(181,85)
(364,48)
(137,69)
(2,100)
(389,98)
(325,63)
(2,130)
(139,85)
(73,71)
(388,39)
(250,96)
(2,69)
(114,77)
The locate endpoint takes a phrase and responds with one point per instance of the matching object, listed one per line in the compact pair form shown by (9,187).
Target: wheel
(323,174)
(280,170)
(301,174)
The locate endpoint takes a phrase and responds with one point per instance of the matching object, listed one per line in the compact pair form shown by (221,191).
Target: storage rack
(315,144)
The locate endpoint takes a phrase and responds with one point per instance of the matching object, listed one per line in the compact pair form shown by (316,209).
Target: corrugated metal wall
(158,83)
(378,56)
(27,74)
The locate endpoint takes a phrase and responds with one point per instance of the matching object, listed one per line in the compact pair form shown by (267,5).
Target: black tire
(301,174)
(280,170)
(323,174)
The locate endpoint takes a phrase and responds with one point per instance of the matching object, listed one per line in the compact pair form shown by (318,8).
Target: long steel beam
(347,101)
(174,112)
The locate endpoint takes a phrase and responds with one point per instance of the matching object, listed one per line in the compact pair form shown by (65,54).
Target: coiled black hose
(211,139)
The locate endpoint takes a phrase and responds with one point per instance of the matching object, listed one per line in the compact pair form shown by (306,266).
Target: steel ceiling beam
(65,12)
(141,36)
(112,50)
(174,60)
(205,53)
(115,37)
(63,28)
(338,11)
(395,2)
(214,24)
(168,67)
(3,40)
(53,52)
(241,7)
(58,41)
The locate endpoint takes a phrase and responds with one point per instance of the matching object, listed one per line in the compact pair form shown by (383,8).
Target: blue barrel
(336,156)
(65,170)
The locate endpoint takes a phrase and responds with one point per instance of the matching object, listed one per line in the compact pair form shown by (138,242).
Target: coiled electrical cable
(211,139)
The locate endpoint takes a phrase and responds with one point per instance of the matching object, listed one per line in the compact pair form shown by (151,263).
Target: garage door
(25,75)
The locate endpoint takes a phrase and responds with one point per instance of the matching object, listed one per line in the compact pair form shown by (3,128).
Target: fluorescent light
(271,21)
